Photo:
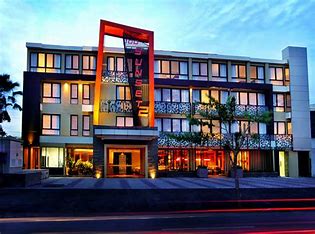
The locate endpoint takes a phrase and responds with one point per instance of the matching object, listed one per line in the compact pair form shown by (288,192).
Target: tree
(8,100)
(231,141)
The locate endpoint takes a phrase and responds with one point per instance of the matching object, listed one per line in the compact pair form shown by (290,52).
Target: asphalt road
(184,222)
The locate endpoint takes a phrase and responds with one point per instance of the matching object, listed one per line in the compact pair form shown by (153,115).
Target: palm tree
(8,99)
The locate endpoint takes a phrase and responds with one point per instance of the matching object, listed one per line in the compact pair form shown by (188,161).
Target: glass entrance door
(125,163)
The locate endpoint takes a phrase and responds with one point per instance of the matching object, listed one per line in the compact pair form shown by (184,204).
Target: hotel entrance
(124,162)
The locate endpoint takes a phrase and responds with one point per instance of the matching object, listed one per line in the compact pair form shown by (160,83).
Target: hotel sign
(136,56)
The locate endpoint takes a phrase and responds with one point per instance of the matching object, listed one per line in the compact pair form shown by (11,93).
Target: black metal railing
(115,77)
(172,107)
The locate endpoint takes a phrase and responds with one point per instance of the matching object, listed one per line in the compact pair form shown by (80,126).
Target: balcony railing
(239,109)
(217,141)
(172,107)
(115,77)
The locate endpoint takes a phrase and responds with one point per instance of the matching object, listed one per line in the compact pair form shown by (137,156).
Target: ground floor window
(172,159)
(79,161)
(52,157)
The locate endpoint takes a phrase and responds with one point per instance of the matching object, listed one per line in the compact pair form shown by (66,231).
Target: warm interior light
(84,150)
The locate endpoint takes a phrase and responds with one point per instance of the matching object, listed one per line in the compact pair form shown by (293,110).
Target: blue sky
(254,28)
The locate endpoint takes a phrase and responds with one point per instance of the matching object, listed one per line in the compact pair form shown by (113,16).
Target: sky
(254,28)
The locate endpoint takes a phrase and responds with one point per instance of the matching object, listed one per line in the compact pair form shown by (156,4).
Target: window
(74,94)
(171,95)
(74,125)
(261,99)
(172,125)
(252,99)
(171,69)
(287,75)
(120,64)
(158,124)
(89,64)
(218,72)
(239,73)
(51,92)
(50,124)
(200,71)
(196,95)
(243,98)
(86,94)
(52,157)
(124,121)
(278,102)
(257,74)
(72,64)
(110,63)
(41,62)
(86,125)
(288,102)
(279,128)
(276,75)
(123,93)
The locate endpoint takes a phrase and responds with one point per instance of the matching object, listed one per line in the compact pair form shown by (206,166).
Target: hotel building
(112,107)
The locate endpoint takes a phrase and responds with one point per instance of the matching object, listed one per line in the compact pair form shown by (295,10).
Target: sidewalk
(176,183)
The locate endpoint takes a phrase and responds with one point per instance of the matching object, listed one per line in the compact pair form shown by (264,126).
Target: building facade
(107,111)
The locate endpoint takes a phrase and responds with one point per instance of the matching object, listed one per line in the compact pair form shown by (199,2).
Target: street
(205,221)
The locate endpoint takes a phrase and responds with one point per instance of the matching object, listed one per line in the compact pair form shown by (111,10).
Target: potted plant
(202,172)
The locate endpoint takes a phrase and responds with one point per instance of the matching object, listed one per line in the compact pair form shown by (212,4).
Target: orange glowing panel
(119,30)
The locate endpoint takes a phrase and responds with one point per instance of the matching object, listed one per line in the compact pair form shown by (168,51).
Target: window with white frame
(124,121)
(74,125)
(86,125)
(89,64)
(72,64)
(74,94)
(45,62)
(86,96)
(200,71)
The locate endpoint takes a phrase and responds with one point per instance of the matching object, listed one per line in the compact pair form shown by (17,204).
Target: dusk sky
(253,28)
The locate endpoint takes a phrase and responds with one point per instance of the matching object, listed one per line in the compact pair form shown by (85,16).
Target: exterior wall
(297,58)
(293,164)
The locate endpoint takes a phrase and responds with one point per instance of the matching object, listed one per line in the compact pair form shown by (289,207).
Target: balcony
(217,141)
(239,110)
(172,107)
(115,77)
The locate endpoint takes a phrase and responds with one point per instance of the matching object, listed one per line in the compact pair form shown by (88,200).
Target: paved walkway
(175,183)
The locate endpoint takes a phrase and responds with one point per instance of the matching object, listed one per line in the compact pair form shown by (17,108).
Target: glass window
(260,73)
(86,125)
(158,124)
(222,70)
(183,68)
(175,95)
(176,125)
(253,72)
(234,70)
(89,64)
(165,67)
(185,95)
(50,124)
(120,64)
(166,93)
(72,64)
(236,96)
(279,128)
(51,93)
(203,69)
(287,74)
(73,125)
(262,128)
(74,94)
(33,59)
(110,63)
(216,126)
(174,67)
(185,125)
(195,128)
(123,93)
(205,96)
(52,157)
(279,73)
(196,95)
(120,122)
(235,127)
(272,73)
(195,69)
(157,66)
(254,128)
(157,95)
(215,95)
(261,99)
(253,99)
(242,71)
(41,60)
(278,102)
(129,122)
(167,125)
(238,71)
(50,60)
(86,94)
(289,128)
(215,69)
(243,98)
(224,96)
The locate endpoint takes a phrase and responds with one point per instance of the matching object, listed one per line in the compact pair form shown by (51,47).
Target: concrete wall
(300,118)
